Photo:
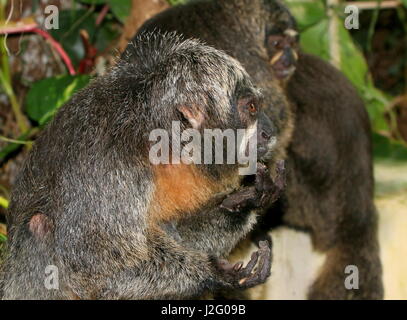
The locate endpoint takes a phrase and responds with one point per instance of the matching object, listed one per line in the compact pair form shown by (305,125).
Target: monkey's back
(78,173)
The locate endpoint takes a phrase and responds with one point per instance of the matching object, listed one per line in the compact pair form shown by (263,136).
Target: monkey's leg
(349,273)
(341,220)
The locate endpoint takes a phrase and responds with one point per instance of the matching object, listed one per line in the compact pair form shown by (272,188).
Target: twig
(6,83)
(5,139)
(372,26)
(403,19)
(334,49)
(5,77)
(18,28)
(79,21)
(102,14)
(369,5)
(3,202)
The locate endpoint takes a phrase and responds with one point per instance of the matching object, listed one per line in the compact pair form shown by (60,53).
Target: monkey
(323,135)
(90,204)
(282,48)
(282,44)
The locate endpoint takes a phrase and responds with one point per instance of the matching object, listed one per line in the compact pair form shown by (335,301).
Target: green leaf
(387,150)
(353,63)
(106,34)
(315,40)
(11,147)
(176,2)
(46,96)
(3,202)
(404,2)
(3,238)
(306,13)
(68,34)
(121,9)
(376,101)
(72,21)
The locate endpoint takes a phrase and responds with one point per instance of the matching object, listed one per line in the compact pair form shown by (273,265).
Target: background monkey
(89,201)
(325,135)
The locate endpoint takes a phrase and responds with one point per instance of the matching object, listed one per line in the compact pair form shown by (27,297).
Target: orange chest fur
(180,189)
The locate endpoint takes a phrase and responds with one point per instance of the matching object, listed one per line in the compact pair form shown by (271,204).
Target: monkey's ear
(193,115)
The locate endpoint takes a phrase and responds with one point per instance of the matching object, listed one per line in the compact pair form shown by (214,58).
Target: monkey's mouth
(284,73)
(265,152)
(262,154)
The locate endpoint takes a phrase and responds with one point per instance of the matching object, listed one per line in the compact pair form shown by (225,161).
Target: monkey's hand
(249,276)
(265,191)
(268,190)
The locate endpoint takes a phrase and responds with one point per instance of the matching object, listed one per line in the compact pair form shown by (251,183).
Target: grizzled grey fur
(90,180)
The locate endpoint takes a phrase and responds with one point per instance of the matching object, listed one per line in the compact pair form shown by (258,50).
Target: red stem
(55,44)
(102,14)
(58,48)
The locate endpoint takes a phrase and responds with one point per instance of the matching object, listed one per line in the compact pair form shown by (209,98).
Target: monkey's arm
(176,272)
(215,231)
(219,227)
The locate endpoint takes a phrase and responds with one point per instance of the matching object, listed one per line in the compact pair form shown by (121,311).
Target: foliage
(313,23)
(120,8)
(46,96)
(176,2)
(72,21)
(387,150)
(3,202)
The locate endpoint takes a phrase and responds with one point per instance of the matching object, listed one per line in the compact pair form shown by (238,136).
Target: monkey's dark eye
(275,43)
(252,108)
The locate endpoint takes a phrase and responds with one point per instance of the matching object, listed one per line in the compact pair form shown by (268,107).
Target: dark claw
(238,266)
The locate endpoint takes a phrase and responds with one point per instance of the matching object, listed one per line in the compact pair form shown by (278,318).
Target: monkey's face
(235,116)
(282,49)
(251,116)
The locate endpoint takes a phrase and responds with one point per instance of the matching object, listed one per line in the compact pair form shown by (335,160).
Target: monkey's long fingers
(263,269)
(262,175)
(238,200)
(280,175)
(246,271)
